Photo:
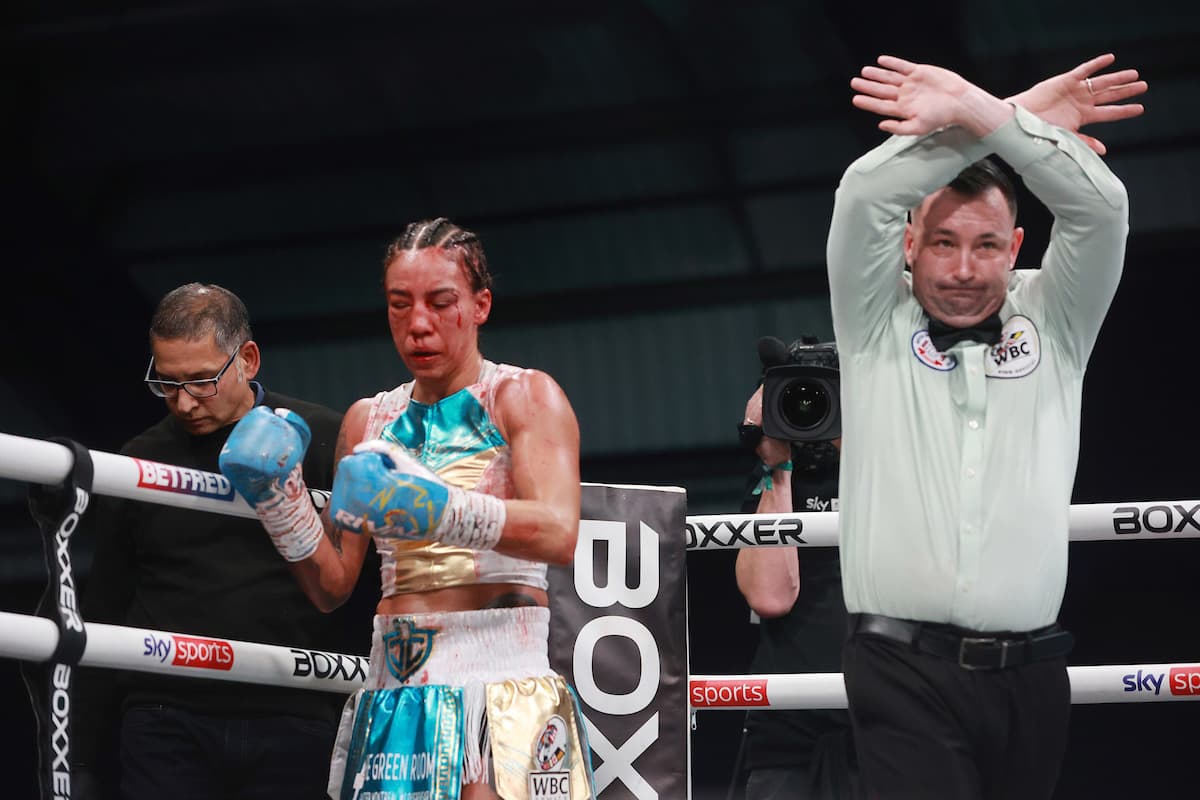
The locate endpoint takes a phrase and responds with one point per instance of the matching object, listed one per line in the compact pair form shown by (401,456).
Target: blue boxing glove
(381,490)
(262,459)
(262,450)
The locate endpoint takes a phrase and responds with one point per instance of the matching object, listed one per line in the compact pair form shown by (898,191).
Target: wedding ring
(1088,81)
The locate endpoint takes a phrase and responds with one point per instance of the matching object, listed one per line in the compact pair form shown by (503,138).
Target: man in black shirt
(795,755)
(166,568)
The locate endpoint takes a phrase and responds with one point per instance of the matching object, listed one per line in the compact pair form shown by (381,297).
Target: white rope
(1110,683)
(31,638)
(1090,522)
(37,461)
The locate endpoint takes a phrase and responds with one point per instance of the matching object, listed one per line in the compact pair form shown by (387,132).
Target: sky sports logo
(190,651)
(1179,681)
(726,692)
(169,478)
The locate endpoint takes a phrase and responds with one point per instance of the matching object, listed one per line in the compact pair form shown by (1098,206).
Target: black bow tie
(944,337)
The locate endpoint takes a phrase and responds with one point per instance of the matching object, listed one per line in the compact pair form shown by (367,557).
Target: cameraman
(808,754)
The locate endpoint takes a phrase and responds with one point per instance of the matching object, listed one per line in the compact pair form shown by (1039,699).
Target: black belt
(968,649)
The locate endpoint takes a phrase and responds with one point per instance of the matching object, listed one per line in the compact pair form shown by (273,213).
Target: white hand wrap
(291,519)
(471,519)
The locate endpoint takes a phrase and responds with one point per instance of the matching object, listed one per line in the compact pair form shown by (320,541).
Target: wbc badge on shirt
(1017,354)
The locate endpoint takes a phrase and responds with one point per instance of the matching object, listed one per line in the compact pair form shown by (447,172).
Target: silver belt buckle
(966,640)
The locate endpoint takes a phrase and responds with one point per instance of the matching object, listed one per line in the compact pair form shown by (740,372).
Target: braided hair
(461,244)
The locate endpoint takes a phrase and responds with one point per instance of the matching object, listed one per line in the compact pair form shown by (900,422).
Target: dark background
(652,180)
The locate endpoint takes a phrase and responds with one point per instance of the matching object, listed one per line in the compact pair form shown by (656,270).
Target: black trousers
(924,727)
(831,775)
(179,754)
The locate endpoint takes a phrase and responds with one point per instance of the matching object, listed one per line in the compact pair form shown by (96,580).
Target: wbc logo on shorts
(549,753)
(552,744)
(407,648)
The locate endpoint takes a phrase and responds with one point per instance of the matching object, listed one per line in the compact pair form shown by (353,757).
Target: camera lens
(804,403)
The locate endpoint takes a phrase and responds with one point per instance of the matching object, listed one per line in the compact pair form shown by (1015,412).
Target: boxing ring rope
(37,461)
(1108,683)
(1089,522)
(34,638)
(30,638)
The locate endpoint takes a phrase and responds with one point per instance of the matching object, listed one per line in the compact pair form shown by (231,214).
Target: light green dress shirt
(957,468)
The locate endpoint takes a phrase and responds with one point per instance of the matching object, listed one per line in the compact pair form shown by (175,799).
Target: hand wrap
(381,490)
(262,459)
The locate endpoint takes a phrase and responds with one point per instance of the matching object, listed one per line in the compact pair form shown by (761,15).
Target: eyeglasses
(199,389)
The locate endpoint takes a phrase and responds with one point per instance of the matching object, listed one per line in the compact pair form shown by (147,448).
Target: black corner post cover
(57,510)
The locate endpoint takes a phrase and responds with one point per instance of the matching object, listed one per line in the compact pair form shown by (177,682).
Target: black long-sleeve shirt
(172,569)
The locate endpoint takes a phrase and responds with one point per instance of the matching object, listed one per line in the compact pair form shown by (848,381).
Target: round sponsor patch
(1018,352)
(551,746)
(929,355)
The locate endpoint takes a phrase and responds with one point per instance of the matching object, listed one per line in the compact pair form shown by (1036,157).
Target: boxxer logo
(60,705)
(67,606)
(1161,518)
(747,531)
(331,666)
(611,592)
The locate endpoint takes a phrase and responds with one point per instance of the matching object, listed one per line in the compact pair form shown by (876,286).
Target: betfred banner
(618,632)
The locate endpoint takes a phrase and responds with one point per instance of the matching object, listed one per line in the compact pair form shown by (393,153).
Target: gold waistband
(425,566)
